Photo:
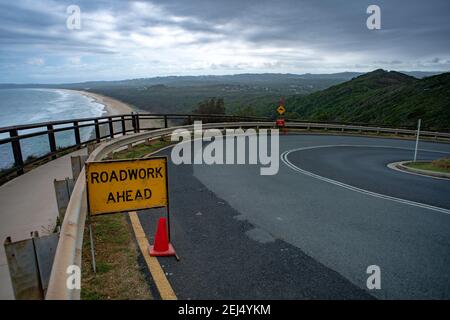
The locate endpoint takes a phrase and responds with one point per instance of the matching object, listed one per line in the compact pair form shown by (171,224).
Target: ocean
(25,106)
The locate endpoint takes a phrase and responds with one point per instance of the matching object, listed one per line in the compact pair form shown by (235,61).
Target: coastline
(112,106)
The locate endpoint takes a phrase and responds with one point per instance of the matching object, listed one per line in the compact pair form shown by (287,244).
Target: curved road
(311,231)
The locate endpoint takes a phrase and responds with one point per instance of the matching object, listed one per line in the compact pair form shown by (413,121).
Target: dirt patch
(442,163)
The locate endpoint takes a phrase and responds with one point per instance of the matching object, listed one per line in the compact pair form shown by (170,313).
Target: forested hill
(379,97)
(249,94)
(391,98)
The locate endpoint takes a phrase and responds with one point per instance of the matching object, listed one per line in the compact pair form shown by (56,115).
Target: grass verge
(140,150)
(119,275)
(440,165)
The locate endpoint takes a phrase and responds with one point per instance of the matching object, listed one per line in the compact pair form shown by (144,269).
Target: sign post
(91,241)
(126,185)
(281,111)
(417,139)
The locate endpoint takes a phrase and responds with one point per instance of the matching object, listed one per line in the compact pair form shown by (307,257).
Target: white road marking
(284,158)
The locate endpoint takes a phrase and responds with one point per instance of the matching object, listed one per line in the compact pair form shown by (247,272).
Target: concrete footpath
(28,203)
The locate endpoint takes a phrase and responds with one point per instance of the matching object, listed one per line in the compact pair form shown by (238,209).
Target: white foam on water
(25,106)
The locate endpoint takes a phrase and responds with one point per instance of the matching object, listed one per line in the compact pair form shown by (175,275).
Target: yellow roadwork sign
(126,185)
(281,110)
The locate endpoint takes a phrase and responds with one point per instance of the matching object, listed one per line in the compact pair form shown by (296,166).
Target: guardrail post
(51,140)
(21,257)
(17,151)
(97,130)
(165,121)
(76,130)
(138,127)
(133,122)
(77,163)
(111,127)
(124,129)
(63,191)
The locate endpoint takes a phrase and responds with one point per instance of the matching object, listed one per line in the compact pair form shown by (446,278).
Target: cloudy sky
(135,39)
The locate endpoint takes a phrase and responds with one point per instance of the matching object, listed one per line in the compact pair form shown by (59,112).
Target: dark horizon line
(219,75)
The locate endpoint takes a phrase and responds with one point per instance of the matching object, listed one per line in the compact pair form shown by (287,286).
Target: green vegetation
(255,92)
(30,158)
(164,99)
(440,165)
(381,97)
(211,106)
(378,97)
(119,275)
(141,150)
(443,163)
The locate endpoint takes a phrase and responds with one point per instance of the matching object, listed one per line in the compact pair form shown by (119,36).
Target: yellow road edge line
(162,284)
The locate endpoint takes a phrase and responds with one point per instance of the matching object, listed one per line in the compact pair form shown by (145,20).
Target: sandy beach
(112,106)
(115,107)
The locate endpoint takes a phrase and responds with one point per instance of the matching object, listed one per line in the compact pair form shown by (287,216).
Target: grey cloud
(330,24)
(414,32)
(327,25)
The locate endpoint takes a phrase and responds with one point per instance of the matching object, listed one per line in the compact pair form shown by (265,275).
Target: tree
(211,106)
(246,111)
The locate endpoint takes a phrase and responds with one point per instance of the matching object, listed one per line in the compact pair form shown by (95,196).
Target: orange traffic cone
(161,247)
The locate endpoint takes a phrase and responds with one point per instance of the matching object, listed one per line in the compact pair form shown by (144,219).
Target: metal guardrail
(360,128)
(111,125)
(71,238)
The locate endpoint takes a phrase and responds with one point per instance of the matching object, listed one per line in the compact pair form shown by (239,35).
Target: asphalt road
(297,235)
